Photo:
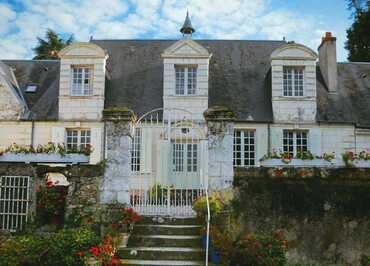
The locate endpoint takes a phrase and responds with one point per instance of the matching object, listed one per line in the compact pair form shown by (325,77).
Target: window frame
(82,91)
(136,151)
(79,138)
(189,78)
(297,89)
(183,158)
(294,146)
(245,134)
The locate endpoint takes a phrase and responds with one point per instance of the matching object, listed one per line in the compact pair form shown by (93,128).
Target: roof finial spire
(187,28)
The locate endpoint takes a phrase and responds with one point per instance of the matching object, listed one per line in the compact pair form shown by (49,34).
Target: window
(244,148)
(186,80)
(14,199)
(293,81)
(31,88)
(182,163)
(135,151)
(295,141)
(81,81)
(78,139)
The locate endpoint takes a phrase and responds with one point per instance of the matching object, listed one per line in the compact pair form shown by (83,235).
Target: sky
(302,21)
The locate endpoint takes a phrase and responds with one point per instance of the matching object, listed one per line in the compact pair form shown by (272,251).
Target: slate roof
(239,78)
(43,104)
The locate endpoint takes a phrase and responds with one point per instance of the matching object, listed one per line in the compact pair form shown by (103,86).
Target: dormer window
(81,81)
(293,81)
(186,80)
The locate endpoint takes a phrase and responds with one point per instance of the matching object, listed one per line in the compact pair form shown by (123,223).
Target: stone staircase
(165,242)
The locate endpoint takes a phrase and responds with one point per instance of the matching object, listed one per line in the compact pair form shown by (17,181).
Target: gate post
(115,186)
(220,130)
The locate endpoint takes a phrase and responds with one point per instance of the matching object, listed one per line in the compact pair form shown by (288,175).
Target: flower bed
(352,159)
(297,163)
(49,153)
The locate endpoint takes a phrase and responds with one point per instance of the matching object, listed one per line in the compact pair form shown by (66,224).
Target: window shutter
(277,139)
(146,150)
(96,143)
(260,144)
(314,141)
(58,135)
(163,161)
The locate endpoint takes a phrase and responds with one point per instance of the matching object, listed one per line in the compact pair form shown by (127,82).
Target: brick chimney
(328,61)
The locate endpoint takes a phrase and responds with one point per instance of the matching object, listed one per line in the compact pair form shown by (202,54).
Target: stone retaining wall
(325,212)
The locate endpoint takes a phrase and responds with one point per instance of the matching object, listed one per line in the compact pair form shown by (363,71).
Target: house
(199,108)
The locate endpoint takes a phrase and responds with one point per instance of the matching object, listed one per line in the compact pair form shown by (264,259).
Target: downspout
(32,132)
(268,138)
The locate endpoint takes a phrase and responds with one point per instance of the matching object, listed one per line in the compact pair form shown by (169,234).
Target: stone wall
(325,212)
(83,192)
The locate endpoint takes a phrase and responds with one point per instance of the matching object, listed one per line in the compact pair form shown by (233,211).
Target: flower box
(298,163)
(71,158)
(361,163)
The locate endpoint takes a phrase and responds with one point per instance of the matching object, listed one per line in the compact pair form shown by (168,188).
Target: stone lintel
(219,113)
(118,114)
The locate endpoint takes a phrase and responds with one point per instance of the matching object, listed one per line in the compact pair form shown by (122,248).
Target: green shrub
(215,204)
(365,260)
(261,250)
(57,249)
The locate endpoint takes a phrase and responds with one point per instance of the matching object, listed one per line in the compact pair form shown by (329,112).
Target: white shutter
(146,148)
(203,160)
(96,143)
(58,135)
(277,139)
(261,143)
(314,141)
(163,161)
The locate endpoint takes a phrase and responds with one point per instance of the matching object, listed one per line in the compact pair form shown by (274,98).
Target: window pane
(135,151)
(72,139)
(244,148)
(192,80)
(288,142)
(301,141)
(180,80)
(178,157)
(81,81)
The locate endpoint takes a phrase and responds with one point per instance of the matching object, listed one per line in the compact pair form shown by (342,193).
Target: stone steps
(162,253)
(165,242)
(160,229)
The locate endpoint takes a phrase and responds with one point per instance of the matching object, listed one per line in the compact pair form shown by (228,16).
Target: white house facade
(181,114)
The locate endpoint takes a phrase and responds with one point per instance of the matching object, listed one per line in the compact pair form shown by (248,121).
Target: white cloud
(121,19)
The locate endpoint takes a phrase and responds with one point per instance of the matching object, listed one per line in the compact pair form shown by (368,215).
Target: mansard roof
(240,78)
(43,103)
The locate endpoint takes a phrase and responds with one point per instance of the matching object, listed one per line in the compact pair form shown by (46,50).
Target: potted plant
(122,221)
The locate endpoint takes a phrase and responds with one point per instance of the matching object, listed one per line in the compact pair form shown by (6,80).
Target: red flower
(129,210)
(95,251)
(136,217)
(114,226)
(49,184)
(80,254)
(115,261)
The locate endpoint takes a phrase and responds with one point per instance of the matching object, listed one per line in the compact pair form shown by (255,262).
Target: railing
(208,220)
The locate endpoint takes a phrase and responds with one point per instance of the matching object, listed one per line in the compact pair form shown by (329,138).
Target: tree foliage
(49,47)
(358,35)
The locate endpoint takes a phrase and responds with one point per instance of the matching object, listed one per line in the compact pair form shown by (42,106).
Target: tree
(49,48)
(358,35)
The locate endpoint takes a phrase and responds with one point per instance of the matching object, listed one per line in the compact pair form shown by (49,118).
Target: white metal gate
(168,163)
(14,198)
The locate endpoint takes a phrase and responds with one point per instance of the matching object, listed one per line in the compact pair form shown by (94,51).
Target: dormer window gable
(290,63)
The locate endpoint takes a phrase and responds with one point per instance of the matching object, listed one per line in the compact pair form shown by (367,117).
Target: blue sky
(21,21)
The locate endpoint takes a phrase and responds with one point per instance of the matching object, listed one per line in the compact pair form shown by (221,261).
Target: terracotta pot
(124,239)
(90,261)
